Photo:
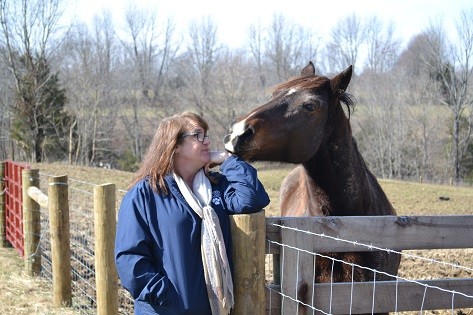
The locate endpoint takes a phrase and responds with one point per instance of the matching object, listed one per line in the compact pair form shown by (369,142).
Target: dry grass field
(21,294)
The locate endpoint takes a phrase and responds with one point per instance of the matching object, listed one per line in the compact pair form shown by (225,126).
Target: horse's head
(292,125)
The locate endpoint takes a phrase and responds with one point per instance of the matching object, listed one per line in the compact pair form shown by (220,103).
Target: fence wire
(82,245)
(83,260)
(412,260)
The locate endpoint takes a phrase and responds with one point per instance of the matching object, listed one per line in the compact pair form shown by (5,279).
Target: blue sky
(234,17)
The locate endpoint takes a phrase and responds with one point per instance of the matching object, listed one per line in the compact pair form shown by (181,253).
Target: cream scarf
(214,255)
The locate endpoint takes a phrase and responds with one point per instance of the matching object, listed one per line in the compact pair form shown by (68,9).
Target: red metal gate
(14,204)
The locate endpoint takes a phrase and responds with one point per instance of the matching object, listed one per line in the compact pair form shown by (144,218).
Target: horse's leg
(302,295)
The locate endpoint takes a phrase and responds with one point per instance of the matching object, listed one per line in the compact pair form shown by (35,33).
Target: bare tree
(256,40)
(149,52)
(451,64)
(412,58)
(6,99)
(280,49)
(196,67)
(345,41)
(218,83)
(89,65)
(29,29)
(288,47)
(382,121)
(428,127)
(383,48)
(237,90)
(427,119)
(203,50)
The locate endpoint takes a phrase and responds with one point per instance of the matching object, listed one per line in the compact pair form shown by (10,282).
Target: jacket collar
(172,186)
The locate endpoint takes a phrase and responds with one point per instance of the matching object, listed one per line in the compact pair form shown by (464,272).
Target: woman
(173,245)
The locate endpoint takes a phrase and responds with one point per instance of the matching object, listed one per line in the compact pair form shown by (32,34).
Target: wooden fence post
(106,278)
(3,240)
(59,227)
(248,236)
(31,224)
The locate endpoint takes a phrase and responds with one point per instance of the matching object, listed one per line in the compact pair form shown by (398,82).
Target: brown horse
(304,123)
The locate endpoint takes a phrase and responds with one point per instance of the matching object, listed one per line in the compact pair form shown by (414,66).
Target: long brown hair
(159,159)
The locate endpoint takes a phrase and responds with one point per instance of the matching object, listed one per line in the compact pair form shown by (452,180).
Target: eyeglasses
(200,136)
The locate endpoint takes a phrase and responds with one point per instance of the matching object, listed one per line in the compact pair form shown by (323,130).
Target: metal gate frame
(14,204)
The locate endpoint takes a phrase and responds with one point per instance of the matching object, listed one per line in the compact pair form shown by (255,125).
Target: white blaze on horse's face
(237,130)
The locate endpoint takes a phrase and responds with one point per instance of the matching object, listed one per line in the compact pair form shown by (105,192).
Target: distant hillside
(409,198)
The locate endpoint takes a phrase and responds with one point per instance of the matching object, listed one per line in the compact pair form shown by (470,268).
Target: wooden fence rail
(249,282)
(328,234)
(57,203)
(31,223)
(58,207)
(251,235)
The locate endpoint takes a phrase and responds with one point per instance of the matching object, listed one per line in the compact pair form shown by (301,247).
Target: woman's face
(193,151)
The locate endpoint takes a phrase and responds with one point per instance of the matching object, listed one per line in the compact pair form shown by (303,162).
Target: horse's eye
(309,106)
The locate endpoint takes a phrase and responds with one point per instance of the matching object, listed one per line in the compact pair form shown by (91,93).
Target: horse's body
(304,123)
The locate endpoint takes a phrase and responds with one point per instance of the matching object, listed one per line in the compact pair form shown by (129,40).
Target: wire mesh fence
(435,280)
(83,273)
(82,245)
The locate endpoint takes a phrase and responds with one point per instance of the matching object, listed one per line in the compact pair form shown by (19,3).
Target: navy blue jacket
(157,248)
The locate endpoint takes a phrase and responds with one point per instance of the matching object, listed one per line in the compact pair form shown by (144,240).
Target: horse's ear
(340,82)
(308,70)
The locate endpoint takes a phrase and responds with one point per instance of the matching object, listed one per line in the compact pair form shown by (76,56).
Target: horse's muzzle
(236,142)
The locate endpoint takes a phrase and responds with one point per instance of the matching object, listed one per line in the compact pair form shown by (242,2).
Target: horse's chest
(301,196)
(309,205)
(334,270)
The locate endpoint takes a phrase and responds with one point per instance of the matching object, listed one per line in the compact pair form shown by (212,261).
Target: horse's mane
(349,101)
(311,82)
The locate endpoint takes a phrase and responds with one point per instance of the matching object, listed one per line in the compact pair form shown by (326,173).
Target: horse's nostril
(247,135)
(226,138)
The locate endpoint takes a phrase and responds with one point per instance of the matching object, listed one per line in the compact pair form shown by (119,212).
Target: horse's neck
(338,168)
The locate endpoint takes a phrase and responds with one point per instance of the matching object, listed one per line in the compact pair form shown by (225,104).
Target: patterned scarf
(217,272)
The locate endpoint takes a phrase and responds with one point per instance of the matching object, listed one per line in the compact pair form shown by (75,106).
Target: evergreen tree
(40,123)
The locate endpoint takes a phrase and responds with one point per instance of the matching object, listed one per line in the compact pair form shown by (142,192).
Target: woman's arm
(135,264)
(243,192)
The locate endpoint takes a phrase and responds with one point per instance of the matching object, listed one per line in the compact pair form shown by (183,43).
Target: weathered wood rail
(256,236)
(327,234)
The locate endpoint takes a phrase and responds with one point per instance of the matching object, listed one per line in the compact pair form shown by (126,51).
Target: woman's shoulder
(141,189)
(141,193)
(142,185)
